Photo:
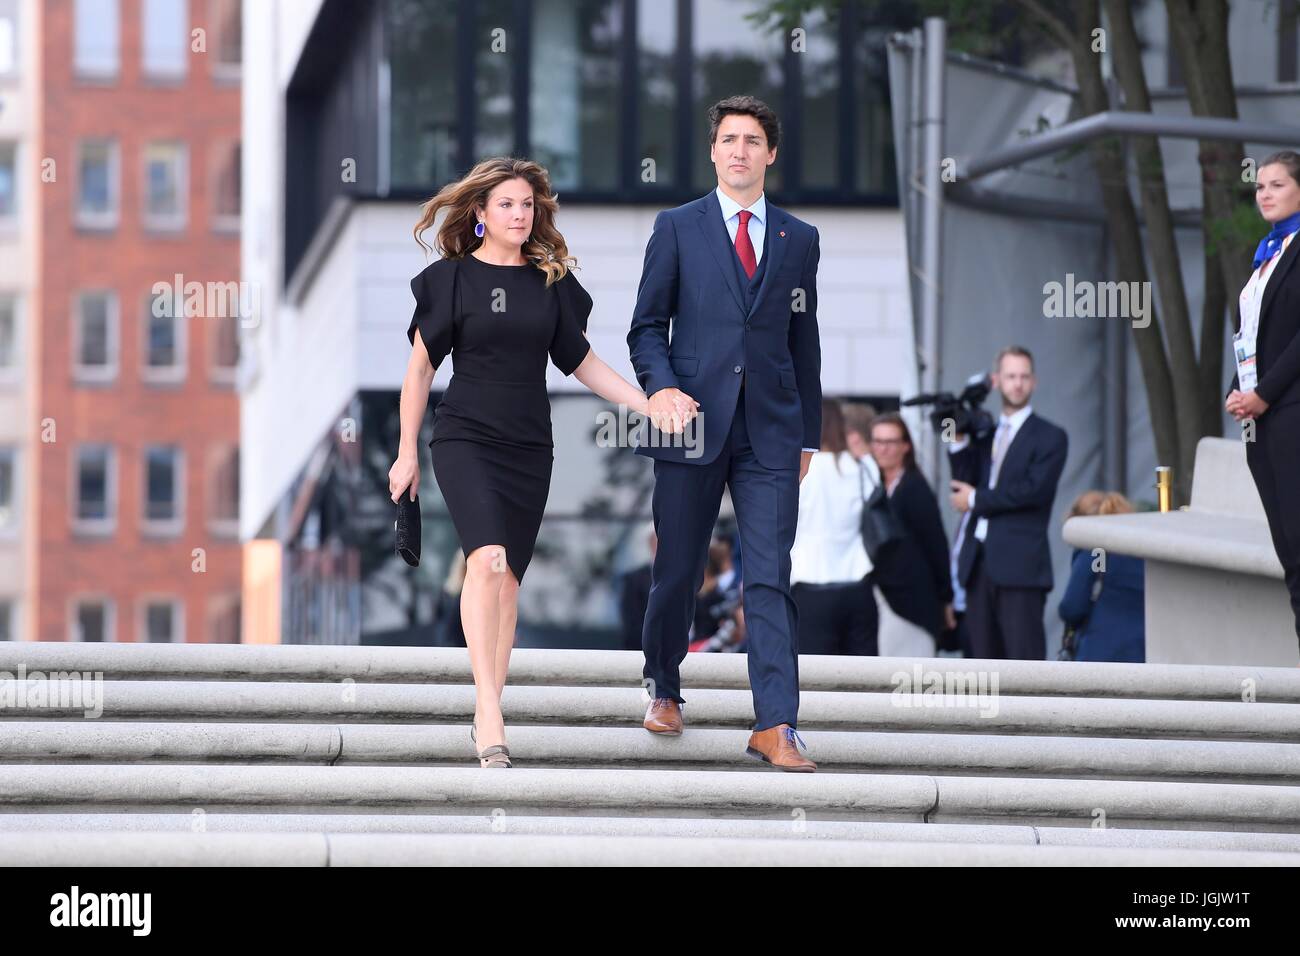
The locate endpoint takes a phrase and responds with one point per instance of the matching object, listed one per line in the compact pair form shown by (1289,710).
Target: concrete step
(388,849)
(601,706)
(915,798)
(793,827)
(66,742)
(582,668)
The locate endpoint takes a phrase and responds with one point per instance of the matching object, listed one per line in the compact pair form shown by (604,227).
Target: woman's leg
(480,614)
(508,617)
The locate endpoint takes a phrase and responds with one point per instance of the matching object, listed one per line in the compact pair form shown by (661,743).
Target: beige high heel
(498,755)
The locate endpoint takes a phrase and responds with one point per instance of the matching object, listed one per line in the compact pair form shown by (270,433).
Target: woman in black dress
(500,300)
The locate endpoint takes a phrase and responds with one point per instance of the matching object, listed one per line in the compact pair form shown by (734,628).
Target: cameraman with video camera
(1004,483)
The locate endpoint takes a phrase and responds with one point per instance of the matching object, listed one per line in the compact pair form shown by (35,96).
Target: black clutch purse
(407,527)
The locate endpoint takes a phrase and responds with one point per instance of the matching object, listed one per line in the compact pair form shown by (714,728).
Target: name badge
(1244,349)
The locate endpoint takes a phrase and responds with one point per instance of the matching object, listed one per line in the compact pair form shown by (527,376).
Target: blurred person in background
(1266,387)
(912,574)
(716,625)
(830,573)
(857,427)
(1004,482)
(634,595)
(1103,605)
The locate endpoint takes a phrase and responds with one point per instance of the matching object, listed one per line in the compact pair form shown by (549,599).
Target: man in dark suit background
(735,278)
(1004,483)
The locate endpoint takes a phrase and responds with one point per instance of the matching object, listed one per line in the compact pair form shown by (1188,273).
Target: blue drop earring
(478,230)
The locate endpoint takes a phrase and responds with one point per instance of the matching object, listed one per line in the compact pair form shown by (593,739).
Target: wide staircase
(333,756)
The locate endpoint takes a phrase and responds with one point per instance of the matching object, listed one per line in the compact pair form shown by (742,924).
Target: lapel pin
(782,233)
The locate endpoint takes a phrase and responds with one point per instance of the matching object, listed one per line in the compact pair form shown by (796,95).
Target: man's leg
(980,622)
(685,508)
(767,512)
(1020,616)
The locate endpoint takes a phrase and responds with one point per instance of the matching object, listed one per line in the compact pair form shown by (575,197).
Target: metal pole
(931,223)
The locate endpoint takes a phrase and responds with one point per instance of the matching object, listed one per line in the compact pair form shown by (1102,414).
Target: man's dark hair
(748,106)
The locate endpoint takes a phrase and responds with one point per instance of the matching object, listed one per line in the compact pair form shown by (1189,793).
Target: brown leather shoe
(776,746)
(664,716)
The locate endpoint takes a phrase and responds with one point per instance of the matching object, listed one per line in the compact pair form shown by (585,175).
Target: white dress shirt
(757,225)
(1013,421)
(1252,296)
(828,546)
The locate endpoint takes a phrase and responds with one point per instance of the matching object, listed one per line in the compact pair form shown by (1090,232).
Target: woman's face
(1276,194)
(508,217)
(888,446)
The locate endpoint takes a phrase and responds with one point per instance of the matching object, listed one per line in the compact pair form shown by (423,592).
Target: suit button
(737,369)
(746,325)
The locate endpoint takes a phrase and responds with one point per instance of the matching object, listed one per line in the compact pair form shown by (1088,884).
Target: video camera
(965,411)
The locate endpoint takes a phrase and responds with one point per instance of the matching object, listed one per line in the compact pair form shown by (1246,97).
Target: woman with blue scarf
(1267,351)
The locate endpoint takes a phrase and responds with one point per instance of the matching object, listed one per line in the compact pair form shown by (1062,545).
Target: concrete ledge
(827,710)
(172,849)
(619,747)
(1240,545)
(583,668)
(655,792)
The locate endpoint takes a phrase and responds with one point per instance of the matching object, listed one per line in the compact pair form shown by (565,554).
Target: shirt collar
(1018,418)
(730,207)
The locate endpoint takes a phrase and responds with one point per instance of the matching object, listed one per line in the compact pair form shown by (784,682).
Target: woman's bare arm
(405,473)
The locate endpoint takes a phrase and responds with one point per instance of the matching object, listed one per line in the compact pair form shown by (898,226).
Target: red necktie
(745,248)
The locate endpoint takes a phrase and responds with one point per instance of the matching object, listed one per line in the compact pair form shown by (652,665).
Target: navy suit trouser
(685,507)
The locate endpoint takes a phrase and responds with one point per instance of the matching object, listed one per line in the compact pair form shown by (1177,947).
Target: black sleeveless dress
(492,447)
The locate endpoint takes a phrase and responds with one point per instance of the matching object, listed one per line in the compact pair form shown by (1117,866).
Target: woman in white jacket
(830,573)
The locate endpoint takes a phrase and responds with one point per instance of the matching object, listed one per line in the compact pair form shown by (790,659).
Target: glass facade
(612,96)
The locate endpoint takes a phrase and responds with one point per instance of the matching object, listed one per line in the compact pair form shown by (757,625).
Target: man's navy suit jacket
(1019,509)
(691,330)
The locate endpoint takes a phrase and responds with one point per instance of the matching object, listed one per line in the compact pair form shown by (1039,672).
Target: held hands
(960,497)
(670,409)
(404,475)
(1241,405)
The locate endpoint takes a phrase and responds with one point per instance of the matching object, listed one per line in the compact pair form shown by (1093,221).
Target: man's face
(1015,380)
(739,153)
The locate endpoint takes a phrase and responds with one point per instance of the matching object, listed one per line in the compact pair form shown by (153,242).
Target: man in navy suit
(1005,483)
(736,280)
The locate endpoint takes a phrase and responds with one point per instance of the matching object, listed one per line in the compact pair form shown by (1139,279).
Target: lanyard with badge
(1244,342)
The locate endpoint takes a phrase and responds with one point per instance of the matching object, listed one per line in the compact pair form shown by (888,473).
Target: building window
(423,98)
(223,490)
(163,507)
(164,32)
(227,191)
(10,341)
(574,91)
(96,39)
(8,490)
(164,340)
(8,620)
(95,484)
(731,54)
(95,338)
(224,18)
(165,186)
(224,624)
(8,185)
(92,620)
(8,39)
(494,121)
(224,348)
(657,91)
(161,621)
(97,179)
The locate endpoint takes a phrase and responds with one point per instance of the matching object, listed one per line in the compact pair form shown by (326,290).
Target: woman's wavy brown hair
(545,248)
